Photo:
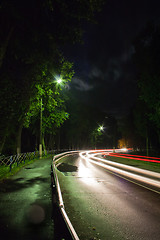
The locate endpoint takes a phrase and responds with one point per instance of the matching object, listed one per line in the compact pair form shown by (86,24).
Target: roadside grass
(5,170)
(136,163)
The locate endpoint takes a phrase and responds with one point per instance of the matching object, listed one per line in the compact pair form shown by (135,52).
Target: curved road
(104,206)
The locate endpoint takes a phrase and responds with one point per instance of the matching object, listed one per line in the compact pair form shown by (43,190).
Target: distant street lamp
(58,82)
(100,128)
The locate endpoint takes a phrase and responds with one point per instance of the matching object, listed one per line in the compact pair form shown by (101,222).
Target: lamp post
(40,140)
(58,82)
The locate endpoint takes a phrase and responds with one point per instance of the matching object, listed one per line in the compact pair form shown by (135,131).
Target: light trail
(136,157)
(129,168)
(124,171)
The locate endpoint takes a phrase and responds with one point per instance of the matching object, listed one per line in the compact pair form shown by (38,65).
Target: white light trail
(123,170)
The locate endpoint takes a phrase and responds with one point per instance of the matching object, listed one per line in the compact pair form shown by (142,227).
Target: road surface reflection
(85,173)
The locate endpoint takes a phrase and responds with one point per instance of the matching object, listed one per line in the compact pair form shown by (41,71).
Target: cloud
(96,73)
(81,85)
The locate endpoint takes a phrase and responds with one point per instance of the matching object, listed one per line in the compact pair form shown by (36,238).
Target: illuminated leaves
(53,105)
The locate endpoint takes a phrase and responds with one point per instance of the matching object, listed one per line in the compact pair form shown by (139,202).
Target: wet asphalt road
(103,206)
(26,204)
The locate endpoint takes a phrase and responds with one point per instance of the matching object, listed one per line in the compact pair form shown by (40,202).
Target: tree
(48,106)
(147,58)
(34,23)
(32,35)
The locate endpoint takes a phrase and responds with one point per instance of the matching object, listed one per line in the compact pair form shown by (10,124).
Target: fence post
(17,160)
(11,160)
(24,157)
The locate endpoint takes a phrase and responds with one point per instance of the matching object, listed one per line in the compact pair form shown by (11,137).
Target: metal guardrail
(69,232)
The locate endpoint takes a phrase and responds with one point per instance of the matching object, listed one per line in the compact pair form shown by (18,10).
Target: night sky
(105,74)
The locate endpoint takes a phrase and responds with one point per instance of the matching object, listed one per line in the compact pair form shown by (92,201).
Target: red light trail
(136,157)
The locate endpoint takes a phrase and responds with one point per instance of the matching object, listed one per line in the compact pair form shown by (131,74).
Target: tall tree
(32,34)
(47,105)
(147,58)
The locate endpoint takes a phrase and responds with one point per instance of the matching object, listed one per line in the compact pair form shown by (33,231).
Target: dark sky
(105,73)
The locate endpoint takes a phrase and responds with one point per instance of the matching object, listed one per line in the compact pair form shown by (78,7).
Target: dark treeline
(141,128)
(33,33)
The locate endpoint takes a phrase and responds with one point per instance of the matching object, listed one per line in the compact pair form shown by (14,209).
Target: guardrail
(63,225)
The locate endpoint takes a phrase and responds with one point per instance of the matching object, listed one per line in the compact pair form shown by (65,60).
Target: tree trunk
(19,134)
(4,46)
(2,143)
(43,144)
(4,135)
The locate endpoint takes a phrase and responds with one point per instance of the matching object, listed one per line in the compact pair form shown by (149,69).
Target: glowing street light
(100,128)
(59,80)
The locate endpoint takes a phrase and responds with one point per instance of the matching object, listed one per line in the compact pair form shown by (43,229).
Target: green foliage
(32,36)
(53,106)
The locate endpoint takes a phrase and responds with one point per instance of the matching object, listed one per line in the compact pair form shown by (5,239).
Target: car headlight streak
(132,174)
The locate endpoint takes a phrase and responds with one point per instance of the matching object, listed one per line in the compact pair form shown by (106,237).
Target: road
(104,206)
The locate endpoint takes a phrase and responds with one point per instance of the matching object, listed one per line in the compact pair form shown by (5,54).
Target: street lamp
(40,140)
(58,81)
(100,128)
